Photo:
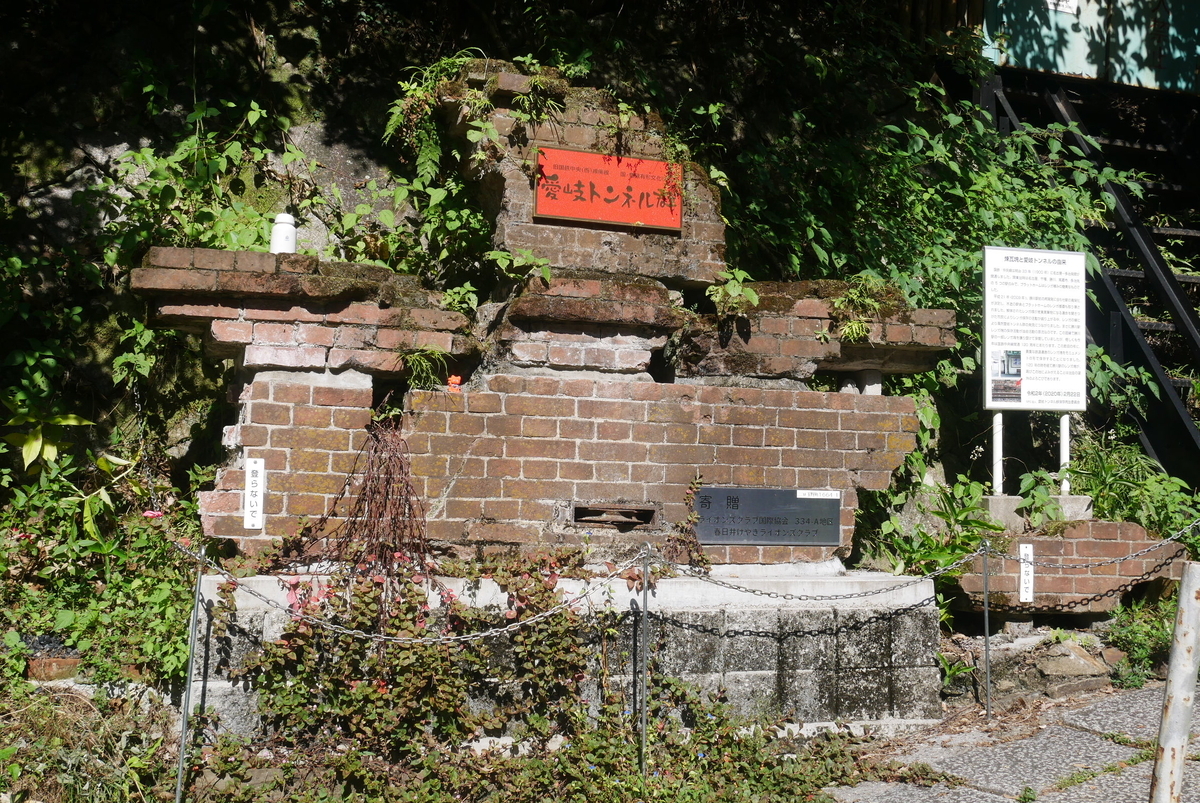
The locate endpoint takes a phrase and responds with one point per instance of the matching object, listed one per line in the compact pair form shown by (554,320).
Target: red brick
(537,489)
(618,410)
(352,337)
(577,428)
(808,419)
(341,397)
(296,263)
(614,451)
(539,427)
(649,433)
(312,335)
(351,418)
(282,311)
(539,469)
(441,320)
(255,262)
(359,312)
(750,476)
(344,462)
(641,472)
(813,458)
(311,417)
(611,472)
(252,436)
(613,430)
(556,449)
(747,436)
(681,433)
(309,460)
(284,356)
(504,426)
(162,257)
(293,394)
(331,440)
(380,361)
(306,505)
(712,433)
(540,406)
(745,554)
(779,438)
(266,413)
(506,383)
(213,502)
(478,402)
(694,455)
(232,331)
(171,279)
(869,422)
(1100,549)
(274,333)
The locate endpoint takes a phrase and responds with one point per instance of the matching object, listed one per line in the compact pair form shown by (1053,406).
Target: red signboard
(574,185)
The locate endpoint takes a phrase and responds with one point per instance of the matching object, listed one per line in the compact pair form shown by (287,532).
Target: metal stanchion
(187,686)
(987,632)
(645,695)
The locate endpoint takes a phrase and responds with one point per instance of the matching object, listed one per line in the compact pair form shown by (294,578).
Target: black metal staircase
(1143,311)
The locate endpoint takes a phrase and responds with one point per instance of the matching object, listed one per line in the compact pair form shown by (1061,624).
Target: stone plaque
(769,517)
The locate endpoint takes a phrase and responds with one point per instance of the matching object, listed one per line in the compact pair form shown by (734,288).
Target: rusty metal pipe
(1179,699)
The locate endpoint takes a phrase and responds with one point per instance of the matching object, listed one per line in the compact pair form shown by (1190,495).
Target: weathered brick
(749,476)
(539,427)
(354,418)
(694,455)
(255,262)
(312,335)
(284,311)
(284,357)
(309,460)
(614,451)
(232,331)
(274,334)
(172,279)
(319,417)
(162,257)
(544,447)
(540,406)
(342,397)
(296,263)
(299,482)
(613,410)
(267,413)
(538,489)
(300,504)
(367,313)
(366,360)
(539,469)
(614,430)
(291,393)
(330,440)
(747,436)
(251,435)
(438,320)
(749,456)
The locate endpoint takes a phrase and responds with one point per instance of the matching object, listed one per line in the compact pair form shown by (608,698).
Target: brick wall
(308,428)
(495,463)
(1083,590)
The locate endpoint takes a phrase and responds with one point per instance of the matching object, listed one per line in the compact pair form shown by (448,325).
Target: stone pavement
(1083,751)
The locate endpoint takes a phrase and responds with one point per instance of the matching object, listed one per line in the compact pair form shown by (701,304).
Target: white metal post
(1064,451)
(1179,697)
(998,453)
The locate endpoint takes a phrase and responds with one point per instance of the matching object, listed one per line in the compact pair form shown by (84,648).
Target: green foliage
(1037,491)
(1126,485)
(425,367)
(963,524)
(732,296)
(111,585)
(1120,388)
(464,299)
(1144,631)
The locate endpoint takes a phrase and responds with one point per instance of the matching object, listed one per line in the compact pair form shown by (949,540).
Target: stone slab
(1037,762)
(1136,714)
(1130,785)
(880,792)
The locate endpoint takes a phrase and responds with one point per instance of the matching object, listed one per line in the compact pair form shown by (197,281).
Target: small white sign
(1065,6)
(255,494)
(818,494)
(1025,551)
(1034,329)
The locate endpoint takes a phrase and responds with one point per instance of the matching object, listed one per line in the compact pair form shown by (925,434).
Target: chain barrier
(1106,562)
(683,569)
(325,624)
(691,571)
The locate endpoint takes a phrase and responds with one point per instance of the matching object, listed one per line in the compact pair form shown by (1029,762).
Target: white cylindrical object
(998,454)
(1064,451)
(1179,696)
(283,234)
(871,381)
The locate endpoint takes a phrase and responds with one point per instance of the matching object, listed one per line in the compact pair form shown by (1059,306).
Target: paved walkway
(1088,751)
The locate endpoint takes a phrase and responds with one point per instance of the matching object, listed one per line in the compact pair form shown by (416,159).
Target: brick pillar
(308,426)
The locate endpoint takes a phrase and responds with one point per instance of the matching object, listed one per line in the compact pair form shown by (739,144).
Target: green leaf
(31,449)
(63,620)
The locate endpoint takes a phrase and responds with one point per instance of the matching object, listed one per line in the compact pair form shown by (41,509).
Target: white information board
(255,493)
(1034,341)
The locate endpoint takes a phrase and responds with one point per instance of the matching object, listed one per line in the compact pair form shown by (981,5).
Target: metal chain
(758,592)
(378,637)
(684,569)
(1105,562)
